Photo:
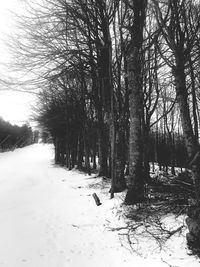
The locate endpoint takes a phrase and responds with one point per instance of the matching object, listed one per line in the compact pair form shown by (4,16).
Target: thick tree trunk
(181,92)
(135,181)
(119,183)
(135,184)
(190,140)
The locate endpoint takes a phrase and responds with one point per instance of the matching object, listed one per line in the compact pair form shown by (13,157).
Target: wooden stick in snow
(96,198)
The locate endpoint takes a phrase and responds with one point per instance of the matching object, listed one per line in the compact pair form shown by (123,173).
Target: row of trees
(111,72)
(13,136)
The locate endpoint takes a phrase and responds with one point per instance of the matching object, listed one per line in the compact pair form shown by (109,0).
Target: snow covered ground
(48,218)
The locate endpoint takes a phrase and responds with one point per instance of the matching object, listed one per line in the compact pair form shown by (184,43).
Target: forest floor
(48,218)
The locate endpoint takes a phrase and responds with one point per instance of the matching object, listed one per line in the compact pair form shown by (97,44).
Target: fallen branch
(171,233)
(168,263)
(96,198)
(129,227)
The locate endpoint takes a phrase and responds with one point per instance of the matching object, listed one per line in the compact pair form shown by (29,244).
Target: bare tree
(136,183)
(179,32)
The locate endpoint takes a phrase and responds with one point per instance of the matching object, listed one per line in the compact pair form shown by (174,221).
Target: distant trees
(13,136)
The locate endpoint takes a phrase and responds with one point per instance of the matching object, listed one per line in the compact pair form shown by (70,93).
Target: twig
(171,233)
(168,263)
(118,228)
(129,227)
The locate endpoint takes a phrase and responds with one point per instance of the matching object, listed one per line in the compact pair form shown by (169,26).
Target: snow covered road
(48,217)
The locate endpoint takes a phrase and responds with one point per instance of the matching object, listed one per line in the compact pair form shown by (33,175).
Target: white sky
(14,106)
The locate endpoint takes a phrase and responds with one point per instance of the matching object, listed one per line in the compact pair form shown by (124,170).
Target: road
(48,217)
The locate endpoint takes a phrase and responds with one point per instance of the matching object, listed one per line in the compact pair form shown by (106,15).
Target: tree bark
(103,151)
(80,153)
(135,184)
(190,140)
(87,154)
(119,183)
(146,153)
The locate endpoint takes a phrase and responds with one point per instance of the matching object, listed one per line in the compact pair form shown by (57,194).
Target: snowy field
(48,218)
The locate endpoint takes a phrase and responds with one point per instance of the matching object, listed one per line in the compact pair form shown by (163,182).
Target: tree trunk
(194,100)
(135,180)
(135,184)
(119,183)
(57,150)
(67,151)
(191,143)
(80,153)
(172,150)
(103,151)
(87,155)
(146,152)
(94,167)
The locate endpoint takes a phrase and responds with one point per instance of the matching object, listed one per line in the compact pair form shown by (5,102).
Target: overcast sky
(14,106)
